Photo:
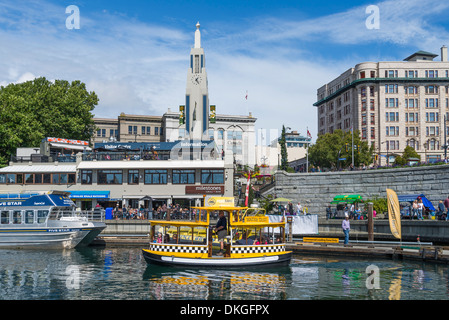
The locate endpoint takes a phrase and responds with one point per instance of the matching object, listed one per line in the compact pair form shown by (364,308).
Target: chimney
(444,53)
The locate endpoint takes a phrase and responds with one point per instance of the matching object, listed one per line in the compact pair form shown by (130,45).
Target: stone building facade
(393,104)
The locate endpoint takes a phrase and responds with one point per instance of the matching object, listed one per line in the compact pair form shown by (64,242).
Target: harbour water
(102,273)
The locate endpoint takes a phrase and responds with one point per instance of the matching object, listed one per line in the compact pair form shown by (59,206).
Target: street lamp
(388,149)
(445,146)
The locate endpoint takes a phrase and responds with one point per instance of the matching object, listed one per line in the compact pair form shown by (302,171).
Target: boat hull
(221,262)
(48,238)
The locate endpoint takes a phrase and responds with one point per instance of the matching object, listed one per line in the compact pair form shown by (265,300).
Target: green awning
(349,198)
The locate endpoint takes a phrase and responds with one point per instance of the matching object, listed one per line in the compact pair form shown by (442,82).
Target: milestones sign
(205,190)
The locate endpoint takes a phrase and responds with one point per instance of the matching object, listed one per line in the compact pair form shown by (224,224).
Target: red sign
(68,141)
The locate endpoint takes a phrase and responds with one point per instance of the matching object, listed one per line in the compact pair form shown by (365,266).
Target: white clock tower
(197,95)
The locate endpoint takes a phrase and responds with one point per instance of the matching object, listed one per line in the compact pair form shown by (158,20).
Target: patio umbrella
(281,200)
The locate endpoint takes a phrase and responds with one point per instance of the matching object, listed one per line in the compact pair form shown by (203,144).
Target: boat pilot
(220,229)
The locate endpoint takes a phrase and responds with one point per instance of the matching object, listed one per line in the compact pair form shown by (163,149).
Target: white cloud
(140,68)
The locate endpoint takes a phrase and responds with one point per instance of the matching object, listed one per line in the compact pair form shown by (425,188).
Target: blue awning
(89,194)
(413,197)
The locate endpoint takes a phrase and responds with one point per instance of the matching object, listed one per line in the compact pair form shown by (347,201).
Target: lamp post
(388,149)
(445,146)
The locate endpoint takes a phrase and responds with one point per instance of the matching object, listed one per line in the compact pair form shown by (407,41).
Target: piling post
(370,222)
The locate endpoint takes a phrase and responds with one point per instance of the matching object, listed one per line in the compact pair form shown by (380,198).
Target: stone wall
(316,190)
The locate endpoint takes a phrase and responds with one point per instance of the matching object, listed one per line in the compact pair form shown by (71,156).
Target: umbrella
(280,200)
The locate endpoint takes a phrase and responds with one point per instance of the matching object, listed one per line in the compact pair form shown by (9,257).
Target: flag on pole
(247,188)
(246,97)
(308,134)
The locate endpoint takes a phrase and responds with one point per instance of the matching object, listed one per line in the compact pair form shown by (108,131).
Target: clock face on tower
(196,79)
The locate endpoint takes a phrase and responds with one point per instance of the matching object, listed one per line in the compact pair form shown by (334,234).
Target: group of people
(292,210)
(175,211)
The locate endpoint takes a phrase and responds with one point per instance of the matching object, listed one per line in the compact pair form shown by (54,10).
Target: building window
(391,88)
(155,176)
(212,176)
(110,176)
(391,102)
(101,133)
(133,176)
(391,73)
(411,74)
(86,176)
(431,103)
(431,89)
(183,176)
(391,116)
(156,131)
(431,73)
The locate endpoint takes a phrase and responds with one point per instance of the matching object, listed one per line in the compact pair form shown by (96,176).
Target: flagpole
(307,157)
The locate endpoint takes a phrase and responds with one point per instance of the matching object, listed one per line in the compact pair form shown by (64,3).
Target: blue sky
(134,54)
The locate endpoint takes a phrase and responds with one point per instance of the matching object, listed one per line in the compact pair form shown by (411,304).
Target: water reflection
(122,273)
(254,284)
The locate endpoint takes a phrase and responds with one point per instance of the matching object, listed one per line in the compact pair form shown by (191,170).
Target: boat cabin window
(17,217)
(257,236)
(42,216)
(178,235)
(29,216)
(4,217)
(202,215)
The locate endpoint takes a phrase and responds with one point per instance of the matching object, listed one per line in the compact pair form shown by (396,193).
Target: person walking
(446,205)
(328,212)
(420,209)
(298,208)
(346,226)
(414,209)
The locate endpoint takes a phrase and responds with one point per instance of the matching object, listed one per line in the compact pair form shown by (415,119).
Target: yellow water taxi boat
(251,240)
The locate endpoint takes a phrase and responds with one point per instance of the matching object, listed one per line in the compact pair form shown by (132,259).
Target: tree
(33,110)
(408,153)
(331,147)
(284,156)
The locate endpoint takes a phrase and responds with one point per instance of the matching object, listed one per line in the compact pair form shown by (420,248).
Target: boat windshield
(57,213)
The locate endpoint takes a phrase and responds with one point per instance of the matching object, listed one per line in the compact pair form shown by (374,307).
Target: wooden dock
(438,254)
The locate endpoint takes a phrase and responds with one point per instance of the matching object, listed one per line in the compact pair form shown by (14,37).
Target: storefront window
(86,176)
(133,176)
(110,177)
(212,176)
(155,176)
(183,176)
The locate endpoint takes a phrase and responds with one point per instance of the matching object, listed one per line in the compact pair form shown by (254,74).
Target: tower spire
(197,36)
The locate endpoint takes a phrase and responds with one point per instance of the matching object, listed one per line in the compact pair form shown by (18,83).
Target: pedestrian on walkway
(420,209)
(346,226)
(414,209)
(446,205)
